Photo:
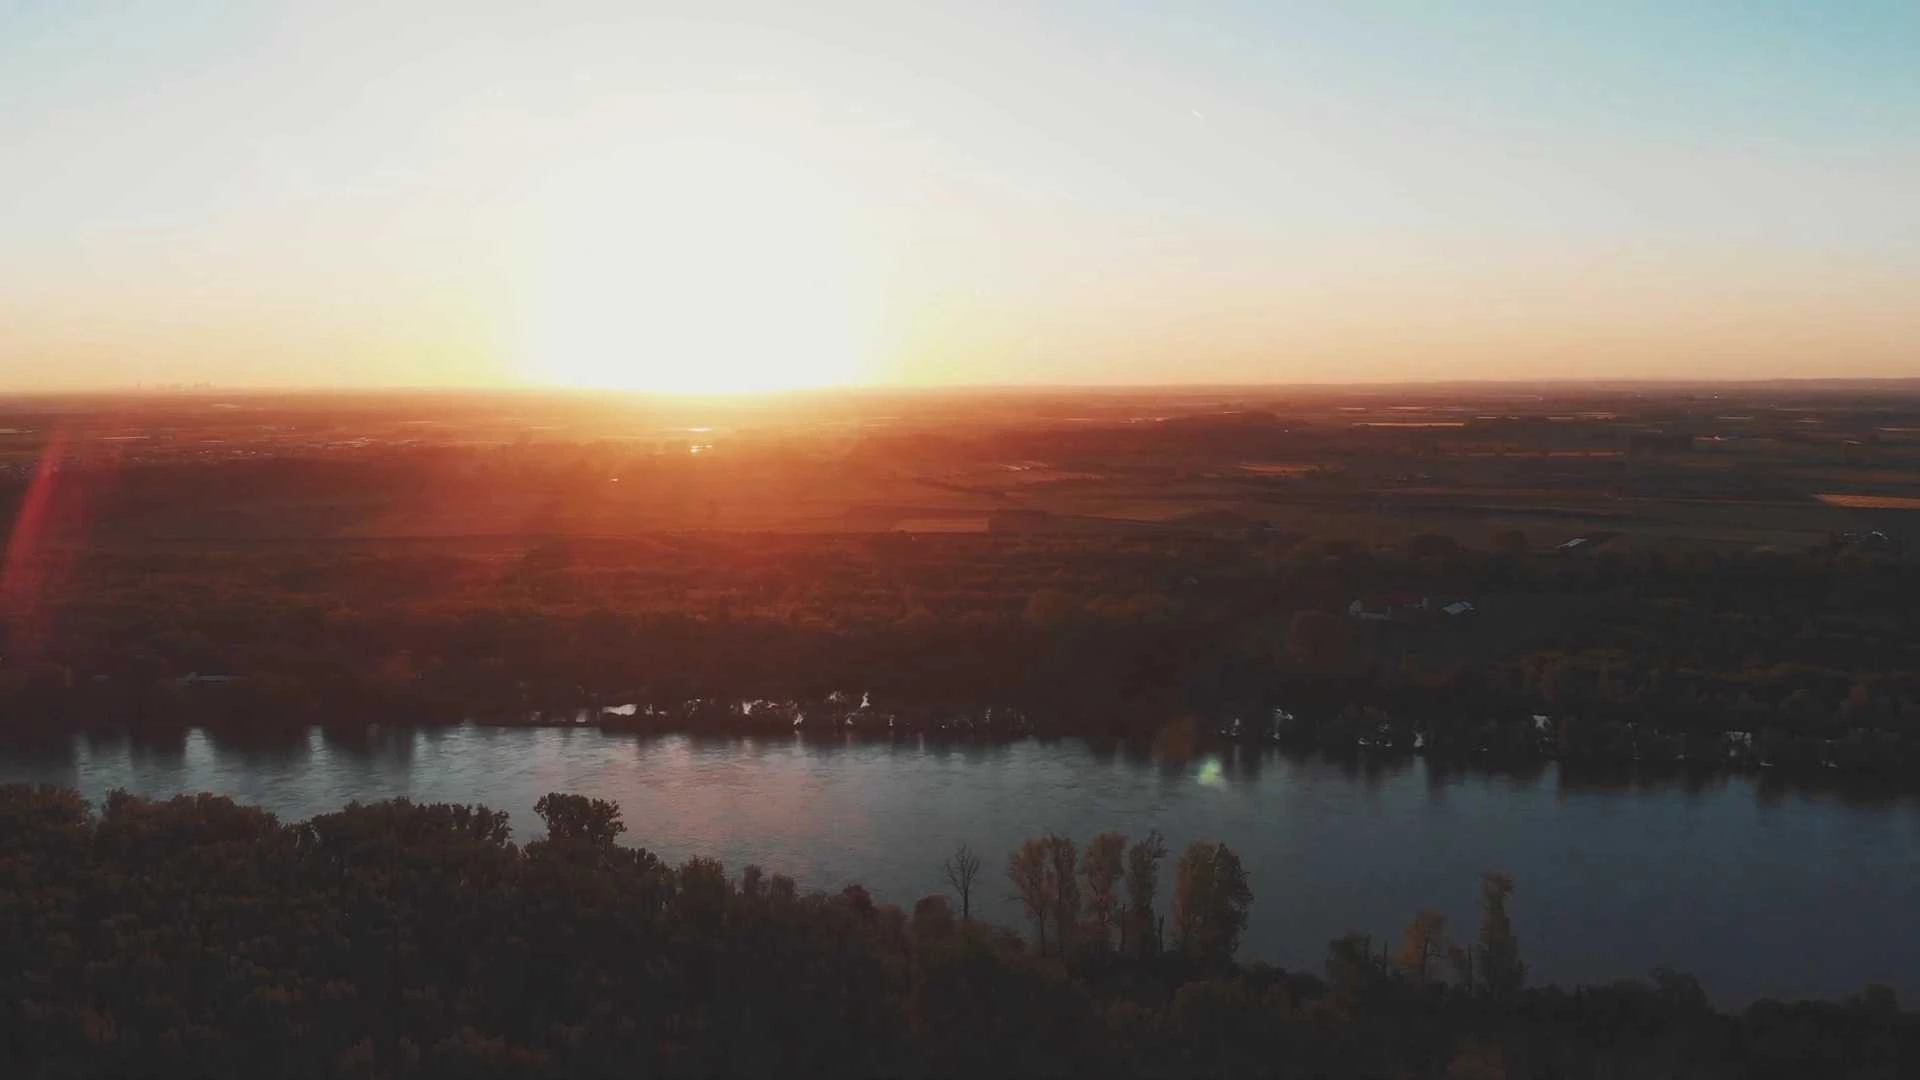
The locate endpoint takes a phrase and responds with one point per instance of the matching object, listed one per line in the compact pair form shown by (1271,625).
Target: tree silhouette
(1063,882)
(961,869)
(932,917)
(1210,901)
(576,817)
(1500,969)
(1103,866)
(1316,641)
(1143,884)
(1424,944)
(1027,869)
(197,937)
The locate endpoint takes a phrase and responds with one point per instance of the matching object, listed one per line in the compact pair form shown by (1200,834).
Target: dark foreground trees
(196,937)
(1210,902)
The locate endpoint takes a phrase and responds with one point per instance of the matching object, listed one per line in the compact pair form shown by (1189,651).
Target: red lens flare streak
(40,550)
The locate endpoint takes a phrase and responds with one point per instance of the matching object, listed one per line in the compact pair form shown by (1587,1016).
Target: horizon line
(1362,385)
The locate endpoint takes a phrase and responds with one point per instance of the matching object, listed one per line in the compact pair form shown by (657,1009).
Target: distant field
(1860,476)
(1528,454)
(941,525)
(1464,462)
(1474,493)
(1016,475)
(1277,468)
(1870,502)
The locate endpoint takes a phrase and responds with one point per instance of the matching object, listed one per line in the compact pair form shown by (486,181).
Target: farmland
(1648,567)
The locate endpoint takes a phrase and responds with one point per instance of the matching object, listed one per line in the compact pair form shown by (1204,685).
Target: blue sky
(270,193)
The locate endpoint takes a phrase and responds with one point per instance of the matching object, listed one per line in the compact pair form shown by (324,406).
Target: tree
(1315,640)
(932,917)
(1063,873)
(856,897)
(1032,885)
(1500,969)
(702,894)
(1143,883)
(1210,901)
(1461,958)
(1051,607)
(1350,968)
(1425,943)
(782,890)
(961,868)
(196,937)
(576,817)
(1103,866)
(1478,1059)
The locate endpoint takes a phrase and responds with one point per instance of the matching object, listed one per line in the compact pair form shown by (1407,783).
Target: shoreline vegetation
(1181,741)
(196,936)
(1360,717)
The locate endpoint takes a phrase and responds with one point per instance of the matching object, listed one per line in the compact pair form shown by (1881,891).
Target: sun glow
(699,268)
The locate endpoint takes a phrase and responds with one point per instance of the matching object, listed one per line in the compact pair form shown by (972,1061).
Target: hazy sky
(471,192)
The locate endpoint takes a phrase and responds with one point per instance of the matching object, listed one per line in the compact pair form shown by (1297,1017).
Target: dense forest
(1797,660)
(197,937)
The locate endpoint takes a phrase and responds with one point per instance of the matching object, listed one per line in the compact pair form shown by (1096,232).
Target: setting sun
(701,268)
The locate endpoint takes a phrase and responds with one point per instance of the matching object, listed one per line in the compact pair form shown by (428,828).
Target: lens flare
(40,549)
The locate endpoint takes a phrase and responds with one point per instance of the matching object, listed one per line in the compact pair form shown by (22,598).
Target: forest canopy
(198,937)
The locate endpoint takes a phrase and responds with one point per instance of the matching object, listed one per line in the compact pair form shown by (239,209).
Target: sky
(749,195)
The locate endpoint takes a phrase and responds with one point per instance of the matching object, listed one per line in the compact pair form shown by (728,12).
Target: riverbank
(1506,737)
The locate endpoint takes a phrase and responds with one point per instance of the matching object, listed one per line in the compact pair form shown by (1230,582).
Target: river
(1757,889)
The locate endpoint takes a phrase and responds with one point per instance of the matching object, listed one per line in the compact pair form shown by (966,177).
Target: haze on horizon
(755,195)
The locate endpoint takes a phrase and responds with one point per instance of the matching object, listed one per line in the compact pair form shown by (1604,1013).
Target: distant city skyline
(754,196)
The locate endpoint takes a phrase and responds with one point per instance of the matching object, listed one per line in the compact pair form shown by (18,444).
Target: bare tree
(961,868)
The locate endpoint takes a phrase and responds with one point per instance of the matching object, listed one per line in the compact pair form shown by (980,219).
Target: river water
(1756,889)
